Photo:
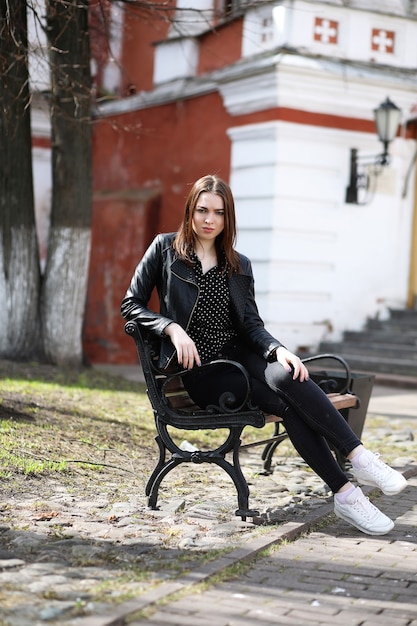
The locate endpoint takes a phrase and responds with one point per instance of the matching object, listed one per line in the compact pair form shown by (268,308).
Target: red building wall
(123,224)
(220,47)
(144,163)
(142,29)
(166,147)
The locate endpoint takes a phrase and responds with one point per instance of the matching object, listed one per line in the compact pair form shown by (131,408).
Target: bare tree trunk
(19,257)
(65,284)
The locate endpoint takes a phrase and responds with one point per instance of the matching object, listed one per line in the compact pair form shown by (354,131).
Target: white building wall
(42,189)
(321,266)
(113,70)
(42,178)
(192,17)
(341,31)
(175,58)
(38,57)
(253,182)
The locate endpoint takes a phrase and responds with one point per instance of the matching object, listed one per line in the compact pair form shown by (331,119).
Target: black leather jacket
(178,293)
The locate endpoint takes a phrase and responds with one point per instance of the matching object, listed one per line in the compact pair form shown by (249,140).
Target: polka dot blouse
(211,325)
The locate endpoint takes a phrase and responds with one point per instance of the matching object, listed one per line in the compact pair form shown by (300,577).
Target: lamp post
(387,119)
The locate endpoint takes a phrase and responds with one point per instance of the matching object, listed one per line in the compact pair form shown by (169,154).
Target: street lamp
(387,119)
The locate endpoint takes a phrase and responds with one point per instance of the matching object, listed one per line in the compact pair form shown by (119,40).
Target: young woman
(208,310)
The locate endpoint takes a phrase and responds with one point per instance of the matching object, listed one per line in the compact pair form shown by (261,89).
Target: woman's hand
(187,354)
(290,361)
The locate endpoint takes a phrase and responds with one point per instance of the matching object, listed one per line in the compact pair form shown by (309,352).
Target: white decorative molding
(254,92)
(316,85)
(170,91)
(284,79)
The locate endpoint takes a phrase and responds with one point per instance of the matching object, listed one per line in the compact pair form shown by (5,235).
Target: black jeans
(309,417)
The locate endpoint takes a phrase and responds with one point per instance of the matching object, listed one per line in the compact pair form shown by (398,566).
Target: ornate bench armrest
(336,378)
(227,400)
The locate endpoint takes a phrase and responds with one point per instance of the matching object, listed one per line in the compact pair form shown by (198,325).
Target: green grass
(52,420)
(73,417)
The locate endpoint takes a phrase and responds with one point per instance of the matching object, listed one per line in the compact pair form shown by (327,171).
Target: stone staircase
(384,347)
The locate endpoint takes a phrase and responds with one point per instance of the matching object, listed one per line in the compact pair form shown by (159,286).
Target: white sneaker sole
(387,492)
(365,530)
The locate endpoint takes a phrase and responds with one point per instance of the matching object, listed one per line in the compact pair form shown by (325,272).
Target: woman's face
(208,216)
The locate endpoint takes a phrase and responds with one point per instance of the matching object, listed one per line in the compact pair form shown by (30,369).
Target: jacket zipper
(191,313)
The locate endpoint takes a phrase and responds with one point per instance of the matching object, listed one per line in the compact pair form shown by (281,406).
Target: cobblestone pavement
(329,576)
(68,559)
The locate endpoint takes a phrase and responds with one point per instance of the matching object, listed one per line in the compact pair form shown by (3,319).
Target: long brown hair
(185,240)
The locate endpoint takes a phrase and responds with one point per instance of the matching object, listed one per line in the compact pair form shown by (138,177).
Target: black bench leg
(159,465)
(268,451)
(157,478)
(236,474)
(241,486)
(234,470)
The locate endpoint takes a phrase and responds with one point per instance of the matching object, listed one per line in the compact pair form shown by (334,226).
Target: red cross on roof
(325,31)
(383,40)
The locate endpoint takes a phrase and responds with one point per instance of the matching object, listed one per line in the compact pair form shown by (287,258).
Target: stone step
(404,315)
(392,325)
(383,336)
(365,348)
(377,364)
(384,346)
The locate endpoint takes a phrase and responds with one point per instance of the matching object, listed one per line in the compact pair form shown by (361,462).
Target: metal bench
(173,408)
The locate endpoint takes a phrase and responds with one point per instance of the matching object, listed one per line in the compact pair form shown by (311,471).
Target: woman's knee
(277,377)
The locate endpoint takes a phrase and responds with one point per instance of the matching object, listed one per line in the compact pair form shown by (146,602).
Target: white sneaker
(361,513)
(376,473)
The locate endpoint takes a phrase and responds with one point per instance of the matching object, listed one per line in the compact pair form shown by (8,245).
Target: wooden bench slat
(179,399)
(343,400)
(339,401)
